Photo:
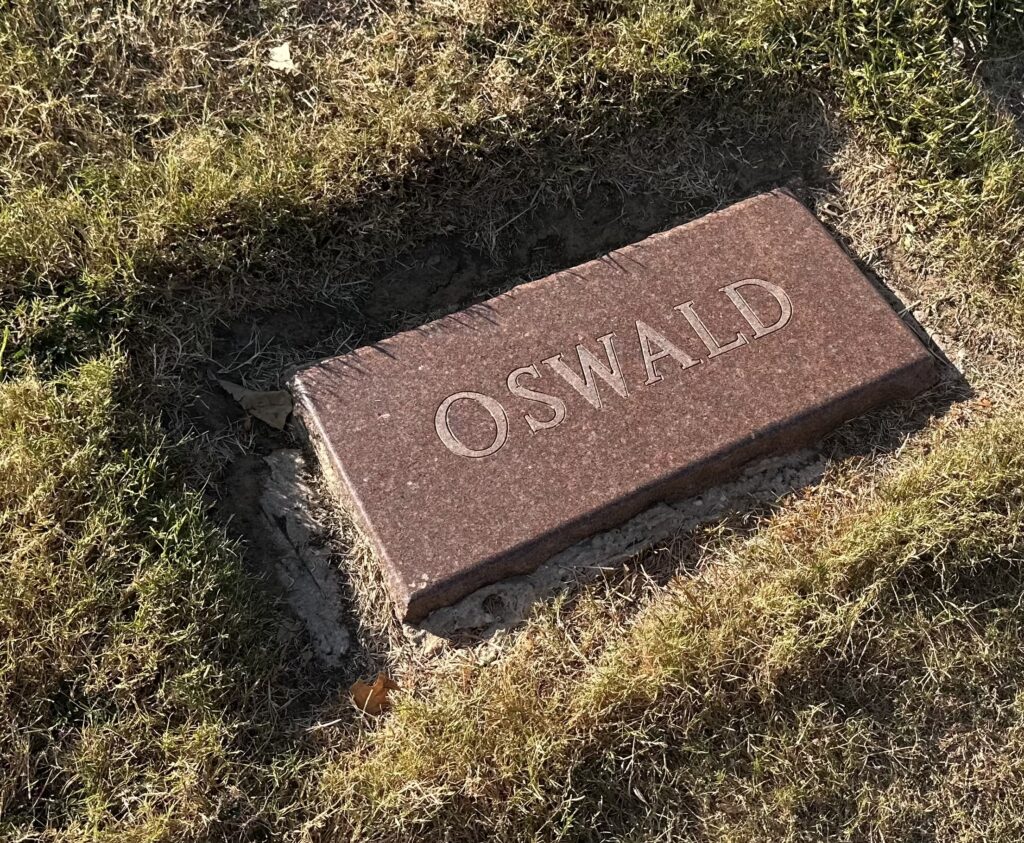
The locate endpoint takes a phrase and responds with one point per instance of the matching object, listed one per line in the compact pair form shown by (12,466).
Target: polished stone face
(477,446)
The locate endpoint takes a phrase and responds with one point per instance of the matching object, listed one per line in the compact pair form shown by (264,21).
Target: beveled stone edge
(346,497)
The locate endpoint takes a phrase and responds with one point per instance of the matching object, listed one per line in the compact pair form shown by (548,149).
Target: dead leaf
(281,58)
(373,699)
(271,407)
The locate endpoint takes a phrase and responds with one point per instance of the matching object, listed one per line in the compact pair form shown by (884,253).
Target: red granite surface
(457,492)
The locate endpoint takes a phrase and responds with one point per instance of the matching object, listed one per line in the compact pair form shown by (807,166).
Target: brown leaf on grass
(373,699)
(271,407)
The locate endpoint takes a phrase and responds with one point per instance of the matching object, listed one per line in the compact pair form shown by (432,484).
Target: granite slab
(476,446)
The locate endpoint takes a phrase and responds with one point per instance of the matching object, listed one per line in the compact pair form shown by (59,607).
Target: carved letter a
(668,349)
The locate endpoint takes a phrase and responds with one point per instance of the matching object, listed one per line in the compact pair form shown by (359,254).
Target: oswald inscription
(479,445)
(650,344)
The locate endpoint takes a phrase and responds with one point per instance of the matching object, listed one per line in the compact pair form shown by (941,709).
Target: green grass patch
(138,661)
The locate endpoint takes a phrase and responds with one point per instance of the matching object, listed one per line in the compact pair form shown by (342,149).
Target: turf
(844,663)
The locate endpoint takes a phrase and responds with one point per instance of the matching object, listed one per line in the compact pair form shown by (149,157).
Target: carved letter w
(590,366)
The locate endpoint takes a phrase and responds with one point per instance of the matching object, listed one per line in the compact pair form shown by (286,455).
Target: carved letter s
(557,405)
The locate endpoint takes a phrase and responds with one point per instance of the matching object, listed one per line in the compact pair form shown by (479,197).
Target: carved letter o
(444,432)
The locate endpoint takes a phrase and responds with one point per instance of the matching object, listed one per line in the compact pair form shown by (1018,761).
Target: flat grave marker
(477,446)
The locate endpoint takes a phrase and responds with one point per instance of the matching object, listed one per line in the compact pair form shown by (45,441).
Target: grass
(130,645)
(847,664)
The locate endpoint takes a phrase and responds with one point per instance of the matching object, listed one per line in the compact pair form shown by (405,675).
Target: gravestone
(475,447)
